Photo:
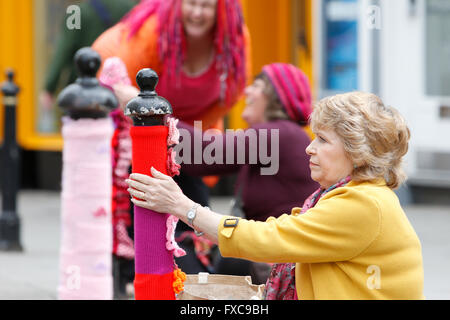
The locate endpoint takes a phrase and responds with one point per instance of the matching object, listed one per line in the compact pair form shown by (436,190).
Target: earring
(355,166)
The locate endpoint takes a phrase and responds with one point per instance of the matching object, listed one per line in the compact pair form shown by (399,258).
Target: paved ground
(33,274)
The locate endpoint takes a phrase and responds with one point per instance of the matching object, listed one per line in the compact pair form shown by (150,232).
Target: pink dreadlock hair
(228,40)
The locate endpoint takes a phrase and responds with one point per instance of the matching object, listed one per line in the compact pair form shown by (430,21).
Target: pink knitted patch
(173,138)
(114,72)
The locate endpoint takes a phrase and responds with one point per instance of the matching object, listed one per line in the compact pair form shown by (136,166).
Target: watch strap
(192,213)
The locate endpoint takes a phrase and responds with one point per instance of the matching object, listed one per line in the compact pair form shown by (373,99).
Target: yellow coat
(356,243)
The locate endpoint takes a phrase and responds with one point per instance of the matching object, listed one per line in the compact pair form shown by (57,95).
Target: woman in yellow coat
(351,239)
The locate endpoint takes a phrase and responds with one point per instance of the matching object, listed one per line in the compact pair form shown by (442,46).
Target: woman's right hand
(124,93)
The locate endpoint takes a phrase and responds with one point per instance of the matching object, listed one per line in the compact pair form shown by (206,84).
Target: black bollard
(86,224)
(86,98)
(154,264)
(9,220)
(148,109)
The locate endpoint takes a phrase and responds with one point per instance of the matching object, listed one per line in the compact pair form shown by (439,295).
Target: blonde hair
(375,136)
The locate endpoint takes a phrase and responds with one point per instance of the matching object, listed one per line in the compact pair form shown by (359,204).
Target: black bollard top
(9,88)
(86,98)
(147,109)
(87,62)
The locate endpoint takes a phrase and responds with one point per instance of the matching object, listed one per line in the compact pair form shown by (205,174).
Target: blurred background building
(398,49)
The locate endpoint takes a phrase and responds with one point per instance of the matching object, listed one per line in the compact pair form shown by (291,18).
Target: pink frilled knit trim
(174,135)
(173,139)
(171,244)
(173,169)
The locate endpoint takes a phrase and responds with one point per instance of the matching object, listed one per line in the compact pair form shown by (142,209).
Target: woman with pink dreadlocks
(201,52)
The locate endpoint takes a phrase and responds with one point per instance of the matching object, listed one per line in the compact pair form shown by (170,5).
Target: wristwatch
(192,213)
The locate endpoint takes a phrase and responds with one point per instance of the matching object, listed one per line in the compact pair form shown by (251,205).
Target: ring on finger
(142,195)
(138,194)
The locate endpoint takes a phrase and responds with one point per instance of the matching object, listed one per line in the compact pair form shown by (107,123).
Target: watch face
(191,214)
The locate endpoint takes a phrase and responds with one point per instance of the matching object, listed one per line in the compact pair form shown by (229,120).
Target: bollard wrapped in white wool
(85,268)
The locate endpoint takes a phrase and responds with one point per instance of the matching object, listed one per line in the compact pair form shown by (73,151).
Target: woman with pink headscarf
(278,101)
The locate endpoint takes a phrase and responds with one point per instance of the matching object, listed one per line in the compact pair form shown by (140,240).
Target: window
(341,45)
(438,47)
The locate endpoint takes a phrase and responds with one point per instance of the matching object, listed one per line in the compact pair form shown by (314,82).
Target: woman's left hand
(158,193)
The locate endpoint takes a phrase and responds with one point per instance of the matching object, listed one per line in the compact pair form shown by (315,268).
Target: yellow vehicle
(281,32)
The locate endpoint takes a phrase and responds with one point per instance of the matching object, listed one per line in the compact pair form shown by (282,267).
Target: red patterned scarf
(281,282)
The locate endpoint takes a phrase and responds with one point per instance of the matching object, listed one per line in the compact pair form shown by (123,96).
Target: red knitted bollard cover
(154,264)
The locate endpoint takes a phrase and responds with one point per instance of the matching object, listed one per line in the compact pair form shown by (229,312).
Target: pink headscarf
(293,89)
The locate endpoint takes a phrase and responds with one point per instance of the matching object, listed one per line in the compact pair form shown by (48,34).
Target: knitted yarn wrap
(114,72)
(85,265)
(123,245)
(173,168)
(228,40)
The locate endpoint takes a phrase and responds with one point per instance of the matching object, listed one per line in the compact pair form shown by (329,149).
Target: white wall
(403,78)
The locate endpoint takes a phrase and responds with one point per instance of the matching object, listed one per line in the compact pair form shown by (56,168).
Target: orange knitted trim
(178,280)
